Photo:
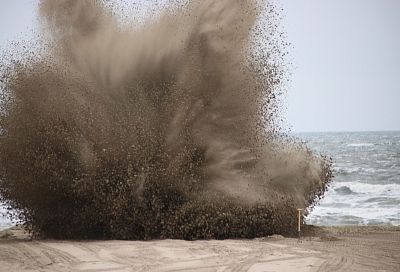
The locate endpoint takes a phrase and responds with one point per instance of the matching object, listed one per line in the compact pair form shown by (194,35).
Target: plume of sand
(177,101)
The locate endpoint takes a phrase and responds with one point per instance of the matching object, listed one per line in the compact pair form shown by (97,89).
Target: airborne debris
(167,130)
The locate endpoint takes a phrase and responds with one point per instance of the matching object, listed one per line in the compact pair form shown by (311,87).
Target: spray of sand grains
(164,129)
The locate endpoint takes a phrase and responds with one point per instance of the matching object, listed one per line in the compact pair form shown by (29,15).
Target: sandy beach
(325,249)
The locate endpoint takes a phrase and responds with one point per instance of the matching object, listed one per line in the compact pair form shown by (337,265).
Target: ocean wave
(354,170)
(344,190)
(346,170)
(354,216)
(351,220)
(360,144)
(335,219)
(365,188)
(383,201)
(4,220)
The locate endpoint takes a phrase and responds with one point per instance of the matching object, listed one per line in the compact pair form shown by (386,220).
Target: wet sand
(324,249)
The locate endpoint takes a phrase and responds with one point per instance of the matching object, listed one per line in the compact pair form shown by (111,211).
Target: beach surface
(323,249)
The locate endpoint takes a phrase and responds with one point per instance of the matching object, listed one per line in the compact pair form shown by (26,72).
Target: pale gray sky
(345,54)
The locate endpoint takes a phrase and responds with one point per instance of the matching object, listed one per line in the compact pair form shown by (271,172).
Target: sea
(366,186)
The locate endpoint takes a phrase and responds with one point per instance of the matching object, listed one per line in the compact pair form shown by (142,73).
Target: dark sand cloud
(135,132)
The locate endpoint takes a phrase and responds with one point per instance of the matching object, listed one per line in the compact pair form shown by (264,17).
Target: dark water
(366,187)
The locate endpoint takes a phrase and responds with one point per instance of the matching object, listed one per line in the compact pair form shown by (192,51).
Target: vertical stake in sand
(299,220)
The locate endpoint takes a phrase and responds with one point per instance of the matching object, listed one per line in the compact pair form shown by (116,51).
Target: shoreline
(336,248)
(17,233)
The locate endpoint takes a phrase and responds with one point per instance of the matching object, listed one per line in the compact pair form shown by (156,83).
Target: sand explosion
(167,129)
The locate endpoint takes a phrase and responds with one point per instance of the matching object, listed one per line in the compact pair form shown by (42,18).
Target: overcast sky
(345,54)
(347,59)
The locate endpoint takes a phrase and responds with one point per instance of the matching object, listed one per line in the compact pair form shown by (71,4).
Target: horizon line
(342,131)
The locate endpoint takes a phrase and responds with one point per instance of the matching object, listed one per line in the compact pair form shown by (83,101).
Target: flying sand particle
(166,129)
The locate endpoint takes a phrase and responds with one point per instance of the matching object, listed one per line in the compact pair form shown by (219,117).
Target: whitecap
(359,144)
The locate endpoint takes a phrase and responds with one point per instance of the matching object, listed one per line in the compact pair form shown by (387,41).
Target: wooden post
(299,221)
